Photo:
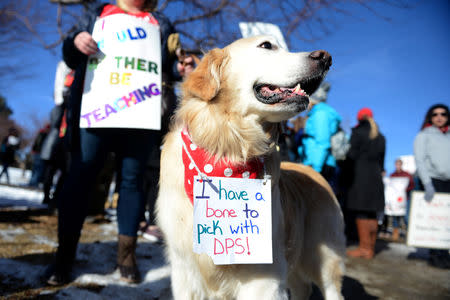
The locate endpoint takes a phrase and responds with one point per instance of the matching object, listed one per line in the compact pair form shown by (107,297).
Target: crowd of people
(79,155)
(357,176)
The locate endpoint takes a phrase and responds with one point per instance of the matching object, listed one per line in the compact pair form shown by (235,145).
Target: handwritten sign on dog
(429,222)
(122,86)
(233,220)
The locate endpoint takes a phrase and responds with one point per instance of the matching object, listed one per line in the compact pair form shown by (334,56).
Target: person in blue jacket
(323,121)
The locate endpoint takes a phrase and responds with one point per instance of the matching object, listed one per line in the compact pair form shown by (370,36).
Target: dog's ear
(204,81)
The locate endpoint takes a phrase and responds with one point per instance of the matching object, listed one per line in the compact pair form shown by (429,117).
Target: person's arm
(420,155)
(382,152)
(79,43)
(320,151)
(420,158)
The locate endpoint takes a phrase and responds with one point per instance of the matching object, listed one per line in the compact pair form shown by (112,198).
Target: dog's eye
(268,46)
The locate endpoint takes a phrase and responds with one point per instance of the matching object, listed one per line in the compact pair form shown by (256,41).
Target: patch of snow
(17,176)
(19,198)
(10,234)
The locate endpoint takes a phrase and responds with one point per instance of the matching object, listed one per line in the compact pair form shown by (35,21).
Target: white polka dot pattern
(208,168)
(228,172)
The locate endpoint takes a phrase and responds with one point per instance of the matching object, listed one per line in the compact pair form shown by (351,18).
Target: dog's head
(256,76)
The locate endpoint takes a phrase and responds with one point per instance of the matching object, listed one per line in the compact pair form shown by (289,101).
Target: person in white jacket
(432,155)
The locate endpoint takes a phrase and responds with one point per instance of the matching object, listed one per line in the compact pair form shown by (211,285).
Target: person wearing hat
(323,121)
(365,197)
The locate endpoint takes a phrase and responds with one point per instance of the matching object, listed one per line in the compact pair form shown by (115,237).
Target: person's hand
(85,43)
(429,192)
(186,66)
(186,63)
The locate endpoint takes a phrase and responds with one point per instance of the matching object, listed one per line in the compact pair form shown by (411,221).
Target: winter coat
(52,141)
(432,154)
(323,121)
(39,141)
(8,148)
(78,61)
(365,164)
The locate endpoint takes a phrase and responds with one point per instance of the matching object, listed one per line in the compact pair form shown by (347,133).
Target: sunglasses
(439,114)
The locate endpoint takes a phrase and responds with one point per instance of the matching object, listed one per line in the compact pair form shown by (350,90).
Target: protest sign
(429,222)
(122,86)
(233,220)
(395,195)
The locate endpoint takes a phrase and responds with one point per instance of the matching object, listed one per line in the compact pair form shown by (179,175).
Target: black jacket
(78,62)
(365,164)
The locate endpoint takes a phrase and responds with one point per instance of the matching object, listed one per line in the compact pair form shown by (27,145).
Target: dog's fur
(224,116)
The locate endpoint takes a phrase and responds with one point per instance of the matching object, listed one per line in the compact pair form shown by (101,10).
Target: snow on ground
(17,176)
(95,261)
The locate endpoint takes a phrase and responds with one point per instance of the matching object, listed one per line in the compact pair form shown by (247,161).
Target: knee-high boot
(366,239)
(126,259)
(59,272)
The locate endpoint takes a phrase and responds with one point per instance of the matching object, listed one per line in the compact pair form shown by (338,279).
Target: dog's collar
(196,159)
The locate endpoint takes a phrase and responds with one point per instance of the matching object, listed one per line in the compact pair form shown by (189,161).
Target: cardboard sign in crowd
(429,222)
(395,195)
(122,86)
(233,220)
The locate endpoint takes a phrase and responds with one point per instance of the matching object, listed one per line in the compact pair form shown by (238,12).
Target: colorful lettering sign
(429,222)
(233,220)
(123,80)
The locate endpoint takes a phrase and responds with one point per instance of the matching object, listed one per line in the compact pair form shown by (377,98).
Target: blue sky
(397,68)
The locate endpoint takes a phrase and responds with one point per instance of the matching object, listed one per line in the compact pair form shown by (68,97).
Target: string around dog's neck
(250,169)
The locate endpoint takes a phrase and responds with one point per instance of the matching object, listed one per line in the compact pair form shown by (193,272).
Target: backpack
(340,144)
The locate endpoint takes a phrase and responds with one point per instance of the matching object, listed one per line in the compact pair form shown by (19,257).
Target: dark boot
(366,238)
(126,259)
(439,259)
(58,273)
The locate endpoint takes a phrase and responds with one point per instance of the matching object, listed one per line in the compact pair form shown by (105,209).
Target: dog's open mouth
(271,94)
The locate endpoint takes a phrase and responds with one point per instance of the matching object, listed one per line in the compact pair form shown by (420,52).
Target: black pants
(441,186)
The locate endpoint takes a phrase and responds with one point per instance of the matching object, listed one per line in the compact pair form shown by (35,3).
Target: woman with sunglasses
(431,152)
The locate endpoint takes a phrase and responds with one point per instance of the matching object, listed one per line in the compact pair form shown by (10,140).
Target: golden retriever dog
(231,107)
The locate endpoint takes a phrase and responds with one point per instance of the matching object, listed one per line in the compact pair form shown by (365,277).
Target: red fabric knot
(207,165)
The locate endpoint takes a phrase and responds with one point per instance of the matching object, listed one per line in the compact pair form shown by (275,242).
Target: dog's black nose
(321,55)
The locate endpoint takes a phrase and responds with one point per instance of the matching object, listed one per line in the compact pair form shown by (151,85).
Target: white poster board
(257,28)
(429,222)
(233,220)
(122,86)
(395,195)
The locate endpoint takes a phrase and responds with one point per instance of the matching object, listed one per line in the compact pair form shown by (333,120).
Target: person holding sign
(431,152)
(124,58)
(396,220)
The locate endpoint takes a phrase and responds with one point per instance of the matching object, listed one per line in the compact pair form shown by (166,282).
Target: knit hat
(364,112)
(321,94)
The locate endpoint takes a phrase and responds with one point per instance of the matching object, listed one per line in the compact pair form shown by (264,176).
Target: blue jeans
(132,148)
(37,173)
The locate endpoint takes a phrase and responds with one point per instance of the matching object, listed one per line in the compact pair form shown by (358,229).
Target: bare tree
(202,23)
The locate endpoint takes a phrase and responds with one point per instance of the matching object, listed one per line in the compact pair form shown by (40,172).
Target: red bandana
(209,167)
